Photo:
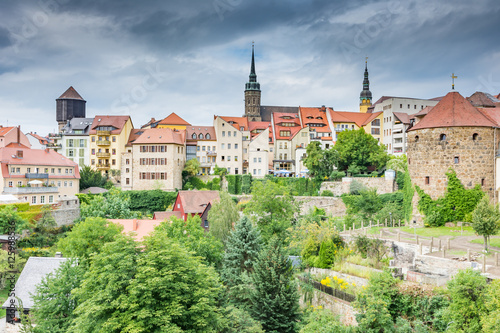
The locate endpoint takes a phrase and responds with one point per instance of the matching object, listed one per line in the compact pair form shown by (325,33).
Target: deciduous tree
(486,220)
(221,217)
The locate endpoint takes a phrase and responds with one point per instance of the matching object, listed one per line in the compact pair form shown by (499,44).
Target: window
(127,170)
(33,199)
(59,184)
(200,136)
(375,131)
(376,122)
(127,181)
(193,136)
(286,145)
(51,198)
(65,184)
(229,158)
(235,146)
(285,133)
(259,171)
(207,136)
(42,199)
(58,170)
(234,133)
(255,159)
(92,162)
(222,146)
(82,143)
(427,180)
(260,160)
(93,139)
(228,146)
(19,183)
(223,133)
(442,137)
(197,148)
(254,171)
(12,170)
(71,153)
(456,160)
(113,151)
(483,181)
(474,136)
(228,133)
(18,170)
(245,150)
(113,162)
(236,158)
(417,138)
(235,171)
(408,106)
(400,106)
(70,142)
(10,184)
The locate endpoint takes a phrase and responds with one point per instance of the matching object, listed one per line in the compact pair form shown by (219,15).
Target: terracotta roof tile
(134,134)
(116,121)
(422,112)
(71,94)
(42,157)
(359,118)
(492,114)
(311,115)
(255,126)
(203,130)
(279,117)
(5,130)
(403,117)
(481,99)
(174,119)
(194,202)
(453,111)
(166,215)
(237,122)
(160,135)
(141,228)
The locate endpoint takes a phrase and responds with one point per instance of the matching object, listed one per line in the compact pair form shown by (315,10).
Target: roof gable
(71,93)
(194,202)
(174,119)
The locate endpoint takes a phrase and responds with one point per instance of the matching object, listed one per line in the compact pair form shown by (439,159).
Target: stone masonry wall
(346,313)
(382,184)
(66,211)
(429,156)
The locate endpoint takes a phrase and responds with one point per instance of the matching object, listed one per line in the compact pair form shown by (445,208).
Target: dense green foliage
(320,162)
(323,321)
(246,184)
(114,204)
(468,296)
(10,219)
(222,215)
(486,219)
(274,298)
(193,237)
(242,250)
(273,208)
(358,149)
(93,178)
(408,192)
(198,184)
(88,237)
(150,201)
(53,302)
(456,205)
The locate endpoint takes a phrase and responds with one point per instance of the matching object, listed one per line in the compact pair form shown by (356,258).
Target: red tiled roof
(422,112)
(134,134)
(5,130)
(481,99)
(16,145)
(311,115)
(453,111)
(237,122)
(403,117)
(71,94)
(278,118)
(141,228)
(260,125)
(194,202)
(40,138)
(174,119)
(166,215)
(160,135)
(35,157)
(116,121)
(492,114)
(359,118)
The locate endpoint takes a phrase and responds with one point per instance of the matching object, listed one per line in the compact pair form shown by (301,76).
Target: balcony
(54,145)
(211,153)
(105,155)
(30,190)
(55,135)
(102,166)
(103,142)
(37,175)
(103,133)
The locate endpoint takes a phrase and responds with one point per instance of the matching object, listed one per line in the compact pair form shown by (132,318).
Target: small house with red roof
(173,121)
(13,134)
(191,203)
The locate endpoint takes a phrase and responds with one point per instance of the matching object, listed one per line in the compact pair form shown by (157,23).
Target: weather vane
(453,77)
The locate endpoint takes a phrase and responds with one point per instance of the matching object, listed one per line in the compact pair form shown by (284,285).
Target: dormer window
(207,136)
(200,136)
(193,136)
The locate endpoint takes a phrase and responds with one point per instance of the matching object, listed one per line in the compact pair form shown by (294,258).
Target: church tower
(365,97)
(252,94)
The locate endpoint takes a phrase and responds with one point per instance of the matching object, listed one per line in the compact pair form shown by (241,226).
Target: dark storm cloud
(309,52)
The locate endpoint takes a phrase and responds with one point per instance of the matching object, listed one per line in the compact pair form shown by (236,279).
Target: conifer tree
(243,246)
(274,297)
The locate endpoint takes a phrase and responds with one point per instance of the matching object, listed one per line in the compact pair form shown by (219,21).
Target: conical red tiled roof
(174,119)
(453,111)
(71,94)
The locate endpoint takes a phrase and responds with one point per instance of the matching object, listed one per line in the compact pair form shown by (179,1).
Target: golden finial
(453,77)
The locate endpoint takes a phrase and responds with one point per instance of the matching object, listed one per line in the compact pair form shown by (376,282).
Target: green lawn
(493,241)
(430,232)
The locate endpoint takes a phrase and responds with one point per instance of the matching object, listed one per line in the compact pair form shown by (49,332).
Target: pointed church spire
(365,97)
(253,75)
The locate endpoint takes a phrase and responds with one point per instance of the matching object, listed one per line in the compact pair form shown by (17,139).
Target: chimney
(20,154)
(58,255)
(323,108)
(46,150)
(19,134)
(134,225)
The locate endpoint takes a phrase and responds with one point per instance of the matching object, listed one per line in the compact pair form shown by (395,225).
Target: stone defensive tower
(68,106)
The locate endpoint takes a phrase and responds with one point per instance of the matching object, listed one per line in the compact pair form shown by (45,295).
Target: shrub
(327,193)
(336,175)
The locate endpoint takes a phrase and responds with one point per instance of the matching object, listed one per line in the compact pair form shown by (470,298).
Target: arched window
(193,136)
(200,136)
(416,138)
(474,136)
(442,137)
(207,136)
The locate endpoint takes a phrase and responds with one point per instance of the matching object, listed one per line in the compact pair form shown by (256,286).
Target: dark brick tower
(252,94)
(68,106)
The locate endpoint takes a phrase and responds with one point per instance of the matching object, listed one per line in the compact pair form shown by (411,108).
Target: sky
(153,57)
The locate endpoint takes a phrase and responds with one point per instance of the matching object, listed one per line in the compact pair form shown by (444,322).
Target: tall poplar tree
(274,297)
